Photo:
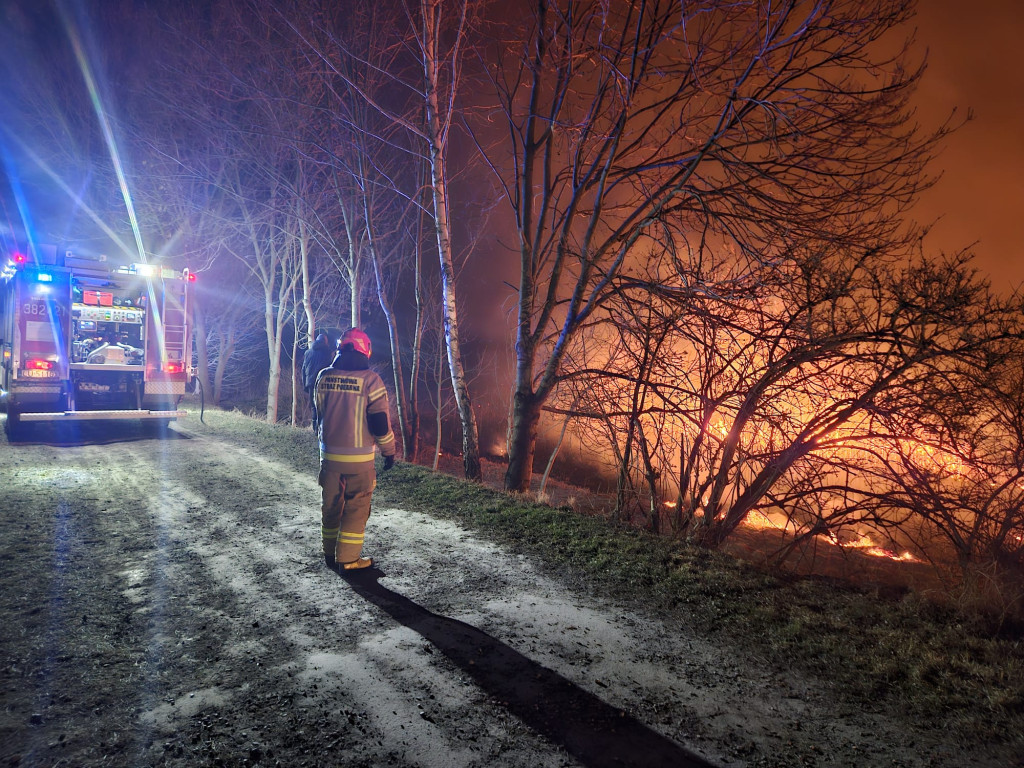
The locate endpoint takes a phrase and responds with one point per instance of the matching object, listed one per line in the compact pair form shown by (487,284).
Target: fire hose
(198,382)
(202,399)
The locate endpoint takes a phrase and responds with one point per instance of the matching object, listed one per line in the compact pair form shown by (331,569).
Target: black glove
(389,462)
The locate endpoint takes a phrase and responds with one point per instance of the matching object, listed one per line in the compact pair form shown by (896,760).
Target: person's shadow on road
(592,731)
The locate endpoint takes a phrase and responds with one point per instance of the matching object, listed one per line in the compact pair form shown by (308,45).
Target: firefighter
(317,357)
(352,404)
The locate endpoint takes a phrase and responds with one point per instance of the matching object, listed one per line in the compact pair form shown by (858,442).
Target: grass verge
(938,668)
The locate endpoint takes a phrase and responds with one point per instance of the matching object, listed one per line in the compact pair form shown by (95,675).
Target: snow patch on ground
(165,717)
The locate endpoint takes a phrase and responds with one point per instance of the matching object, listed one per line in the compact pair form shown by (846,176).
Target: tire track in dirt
(340,649)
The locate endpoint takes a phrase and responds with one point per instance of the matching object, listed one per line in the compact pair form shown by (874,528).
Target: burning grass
(943,669)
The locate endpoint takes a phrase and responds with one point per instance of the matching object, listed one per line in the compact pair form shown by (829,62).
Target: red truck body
(84,339)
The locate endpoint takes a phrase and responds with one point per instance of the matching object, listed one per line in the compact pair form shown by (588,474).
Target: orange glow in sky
(975,63)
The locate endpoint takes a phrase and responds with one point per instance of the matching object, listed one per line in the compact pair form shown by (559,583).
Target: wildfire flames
(915,450)
(863,543)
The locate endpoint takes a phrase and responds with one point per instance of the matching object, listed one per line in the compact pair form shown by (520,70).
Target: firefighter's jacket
(353,405)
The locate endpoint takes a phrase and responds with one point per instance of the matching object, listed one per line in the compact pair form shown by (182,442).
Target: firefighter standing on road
(352,404)
(317,357)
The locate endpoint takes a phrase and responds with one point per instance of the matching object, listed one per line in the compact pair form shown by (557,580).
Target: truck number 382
(41,309)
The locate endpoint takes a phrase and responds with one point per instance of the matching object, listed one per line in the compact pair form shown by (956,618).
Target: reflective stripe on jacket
(345,399)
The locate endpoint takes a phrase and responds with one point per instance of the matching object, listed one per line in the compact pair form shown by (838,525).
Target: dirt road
(163,602)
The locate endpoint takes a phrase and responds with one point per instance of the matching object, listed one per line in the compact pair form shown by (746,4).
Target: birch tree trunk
(352,264)
(273,352)
(436,142)
(307,291)
(296,370)
(417,345)
(401,404)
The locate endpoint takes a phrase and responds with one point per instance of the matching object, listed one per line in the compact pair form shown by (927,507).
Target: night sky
(975,62)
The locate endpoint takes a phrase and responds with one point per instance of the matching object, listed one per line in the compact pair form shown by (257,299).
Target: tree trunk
(225,346)
(352,268)
(438,420)
(202,350)
(624,479)
(296,370)
(557,448)
(417,345)
(307,297)
(401,405)
(273,353)
(525,422)
(439,189)
(276,315)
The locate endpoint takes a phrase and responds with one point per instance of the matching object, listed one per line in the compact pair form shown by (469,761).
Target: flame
(903,557)
(866,546)
(760,521)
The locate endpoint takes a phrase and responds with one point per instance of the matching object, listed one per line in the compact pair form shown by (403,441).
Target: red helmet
(356,339)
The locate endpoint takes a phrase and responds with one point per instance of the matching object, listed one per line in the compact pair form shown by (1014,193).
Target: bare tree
(958,470)
(811,396)
(416,59)
(760,129)
(257,128)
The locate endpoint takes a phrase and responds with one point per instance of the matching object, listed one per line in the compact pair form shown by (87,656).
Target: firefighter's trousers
(346,508)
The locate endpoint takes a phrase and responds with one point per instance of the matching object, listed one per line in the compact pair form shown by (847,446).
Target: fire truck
(83,339)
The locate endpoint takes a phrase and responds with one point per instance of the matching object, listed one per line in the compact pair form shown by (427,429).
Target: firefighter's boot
(357,565)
